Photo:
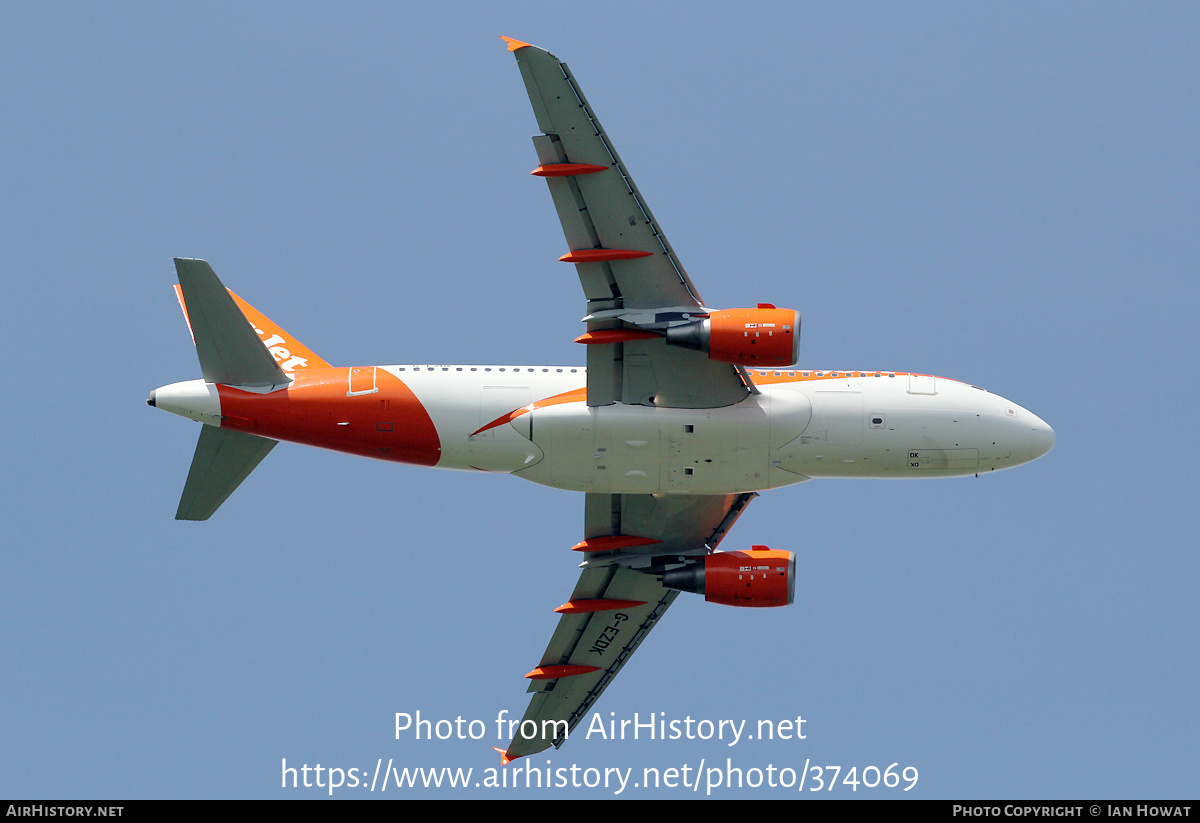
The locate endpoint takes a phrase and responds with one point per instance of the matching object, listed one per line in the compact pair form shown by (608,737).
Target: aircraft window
(689,471)
(545,370)
(777,374)
(804,374)
(429,368)
(833,374)
(574,370)
(400,369)
(688,428)
(558,370)
(791,374)
(445,368)
(474,369)
(459,368)
(489,368)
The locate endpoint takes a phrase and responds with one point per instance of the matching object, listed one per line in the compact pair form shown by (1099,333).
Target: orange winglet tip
(614,336)
(601,255)
(589,606)
(555,672)
(613,541)
(504,757)
(513,43)
(566,169)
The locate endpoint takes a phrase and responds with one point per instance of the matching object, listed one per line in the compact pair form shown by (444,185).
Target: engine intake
(765,337)
(758,577)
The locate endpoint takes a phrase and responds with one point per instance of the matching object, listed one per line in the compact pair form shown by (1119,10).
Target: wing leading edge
(628,270)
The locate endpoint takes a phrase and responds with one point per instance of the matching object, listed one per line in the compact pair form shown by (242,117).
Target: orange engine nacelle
(765,337)
(758,577)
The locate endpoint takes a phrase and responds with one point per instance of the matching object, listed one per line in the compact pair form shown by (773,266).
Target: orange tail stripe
(310,410)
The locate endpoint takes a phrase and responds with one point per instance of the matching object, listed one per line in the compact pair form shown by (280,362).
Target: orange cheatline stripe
(793,374)
(572,396)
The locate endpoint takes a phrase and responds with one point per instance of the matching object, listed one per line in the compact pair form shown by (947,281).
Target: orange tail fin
(290,353)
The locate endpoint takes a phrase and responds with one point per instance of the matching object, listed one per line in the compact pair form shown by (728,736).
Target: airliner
(682,415)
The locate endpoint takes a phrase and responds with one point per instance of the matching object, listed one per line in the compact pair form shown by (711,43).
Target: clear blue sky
(1006,194)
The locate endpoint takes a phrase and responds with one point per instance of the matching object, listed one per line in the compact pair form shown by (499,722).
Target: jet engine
(758,577)
(765,337)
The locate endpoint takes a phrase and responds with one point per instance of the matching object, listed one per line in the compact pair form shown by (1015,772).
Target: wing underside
(629,272)
(636,286)
(589,648)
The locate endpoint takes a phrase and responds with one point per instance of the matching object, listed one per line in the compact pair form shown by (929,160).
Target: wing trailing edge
(614,606)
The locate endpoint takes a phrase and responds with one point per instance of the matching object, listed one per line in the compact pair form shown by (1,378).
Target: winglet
(504,758)
(513,43)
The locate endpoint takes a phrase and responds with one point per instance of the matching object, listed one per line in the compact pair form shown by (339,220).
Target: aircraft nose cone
(150,400)
(1042,439)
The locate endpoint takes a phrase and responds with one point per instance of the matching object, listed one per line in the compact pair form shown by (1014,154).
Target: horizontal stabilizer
(223,459)
(229,349)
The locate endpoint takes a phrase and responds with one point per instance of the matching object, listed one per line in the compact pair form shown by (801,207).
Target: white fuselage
(801,425)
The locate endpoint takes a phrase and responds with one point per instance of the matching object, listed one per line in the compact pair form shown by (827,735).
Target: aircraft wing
(616,602)
(629,272)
